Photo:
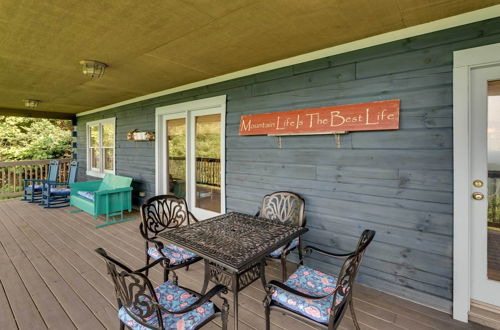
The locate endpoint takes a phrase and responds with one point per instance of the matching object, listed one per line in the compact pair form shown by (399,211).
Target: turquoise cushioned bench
(110,196)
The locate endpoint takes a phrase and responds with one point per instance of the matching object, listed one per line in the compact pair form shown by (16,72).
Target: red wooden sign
(372,116)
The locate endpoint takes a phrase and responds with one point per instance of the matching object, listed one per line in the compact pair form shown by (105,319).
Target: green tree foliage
(24,138)
(207,137)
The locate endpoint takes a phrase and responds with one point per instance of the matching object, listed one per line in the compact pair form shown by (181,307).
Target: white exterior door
(485,185)
(190,154)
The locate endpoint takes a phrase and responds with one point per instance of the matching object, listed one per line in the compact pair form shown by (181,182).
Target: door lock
(477,196)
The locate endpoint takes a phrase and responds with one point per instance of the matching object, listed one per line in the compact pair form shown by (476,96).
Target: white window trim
(212,105)
(463,62)
(90,171)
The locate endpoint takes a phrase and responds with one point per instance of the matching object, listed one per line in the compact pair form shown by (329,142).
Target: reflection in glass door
(207,157)
(176,154)
(493,250)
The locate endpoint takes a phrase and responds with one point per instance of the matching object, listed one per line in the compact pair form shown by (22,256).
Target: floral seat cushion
(89,195)
(277,253)
(313,283)
(172,298)
(176,254)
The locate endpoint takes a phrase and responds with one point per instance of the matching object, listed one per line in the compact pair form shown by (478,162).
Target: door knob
(477,183)
(477,196)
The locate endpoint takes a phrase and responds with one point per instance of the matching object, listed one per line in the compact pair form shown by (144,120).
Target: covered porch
(51,278)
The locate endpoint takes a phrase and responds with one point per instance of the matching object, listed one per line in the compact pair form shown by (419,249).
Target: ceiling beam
(35,114)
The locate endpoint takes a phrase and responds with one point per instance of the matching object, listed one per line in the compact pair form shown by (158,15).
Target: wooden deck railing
(12,174)
(207,170)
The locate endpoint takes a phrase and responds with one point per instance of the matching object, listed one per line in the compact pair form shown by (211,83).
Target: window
(101,147)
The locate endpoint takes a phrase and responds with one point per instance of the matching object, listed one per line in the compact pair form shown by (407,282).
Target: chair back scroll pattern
(162,212)
(347,275)
(284,207)
(134,292)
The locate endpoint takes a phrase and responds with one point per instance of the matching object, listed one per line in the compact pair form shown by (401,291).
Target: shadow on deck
(50,277)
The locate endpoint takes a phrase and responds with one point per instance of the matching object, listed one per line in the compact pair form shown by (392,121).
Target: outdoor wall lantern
(93,69)
(30,103)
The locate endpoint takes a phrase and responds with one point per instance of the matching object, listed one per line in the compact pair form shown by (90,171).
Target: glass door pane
(176,153)
(207,157)
(494,180)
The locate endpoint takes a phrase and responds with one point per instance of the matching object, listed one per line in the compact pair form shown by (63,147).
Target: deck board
(7,320)
(46,303)
(52,278)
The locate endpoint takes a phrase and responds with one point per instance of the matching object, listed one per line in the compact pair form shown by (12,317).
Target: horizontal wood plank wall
(399,183)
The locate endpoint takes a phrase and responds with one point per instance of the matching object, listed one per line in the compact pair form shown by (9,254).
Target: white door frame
(463,62)
(214,103)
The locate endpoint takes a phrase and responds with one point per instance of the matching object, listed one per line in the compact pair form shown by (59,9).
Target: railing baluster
(14,178)
(8,180)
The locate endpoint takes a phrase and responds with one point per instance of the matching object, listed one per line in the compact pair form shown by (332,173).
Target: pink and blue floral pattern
(277,253)
(174,253)
(86,194)
(313,283)
(172,298)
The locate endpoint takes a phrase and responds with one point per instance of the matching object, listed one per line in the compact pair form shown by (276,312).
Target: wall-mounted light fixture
(93,69)
(31,103)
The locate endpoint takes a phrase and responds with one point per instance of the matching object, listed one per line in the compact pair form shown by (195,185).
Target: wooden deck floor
(50,277)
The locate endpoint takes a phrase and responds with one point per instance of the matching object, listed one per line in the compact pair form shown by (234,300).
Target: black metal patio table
(234,247)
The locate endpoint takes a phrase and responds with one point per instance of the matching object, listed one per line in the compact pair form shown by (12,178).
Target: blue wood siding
(399,183)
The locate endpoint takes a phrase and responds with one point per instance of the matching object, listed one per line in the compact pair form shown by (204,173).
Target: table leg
(207,277)
(263,273)
(234,284)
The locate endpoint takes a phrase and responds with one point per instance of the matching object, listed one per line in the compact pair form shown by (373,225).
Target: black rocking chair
(286,208)
(162,213)
(315,297)
(167,306)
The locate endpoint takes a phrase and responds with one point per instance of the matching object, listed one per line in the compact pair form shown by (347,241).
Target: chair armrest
(326,253)
(218,289)
(141,270)
(86,185)
(159,245)
(113,191)
(33,181)
(275,284)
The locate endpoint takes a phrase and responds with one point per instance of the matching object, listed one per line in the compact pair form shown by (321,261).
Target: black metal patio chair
(168,306)
(161,213)
(315,297)
(287,208)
